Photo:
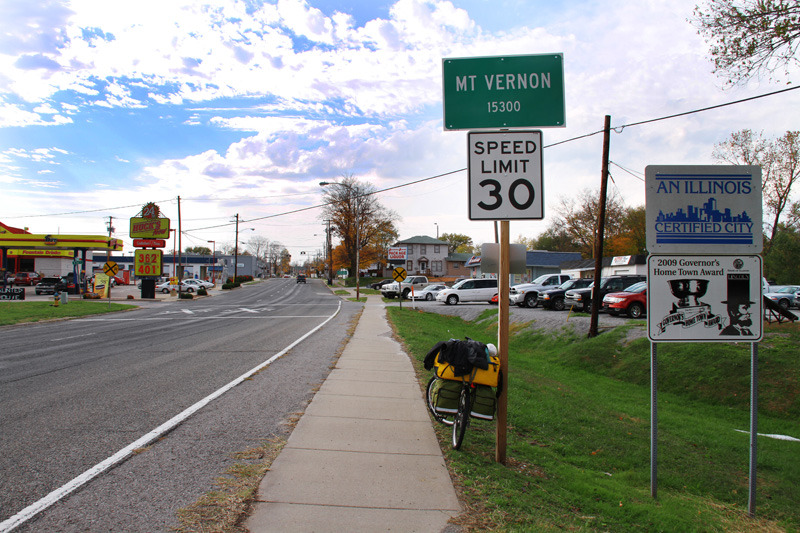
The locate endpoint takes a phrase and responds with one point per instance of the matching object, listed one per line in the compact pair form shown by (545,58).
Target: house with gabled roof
(426,256)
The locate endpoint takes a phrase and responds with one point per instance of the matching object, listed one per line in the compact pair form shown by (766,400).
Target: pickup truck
(527,294)
(395,289)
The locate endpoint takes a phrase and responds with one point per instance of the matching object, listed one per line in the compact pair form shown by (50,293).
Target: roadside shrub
(227,286)
(186,296)
(202,291)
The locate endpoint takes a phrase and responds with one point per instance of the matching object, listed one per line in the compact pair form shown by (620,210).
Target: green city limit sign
(503,92)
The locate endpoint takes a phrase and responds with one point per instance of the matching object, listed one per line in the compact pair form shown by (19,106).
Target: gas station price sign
(147,262)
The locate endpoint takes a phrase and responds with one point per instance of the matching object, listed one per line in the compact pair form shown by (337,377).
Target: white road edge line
(56,495)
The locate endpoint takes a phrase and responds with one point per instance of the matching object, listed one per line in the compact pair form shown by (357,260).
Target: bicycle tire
(462,417)
(429,403)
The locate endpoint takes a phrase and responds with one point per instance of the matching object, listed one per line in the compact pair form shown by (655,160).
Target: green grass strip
(579,432)
(19,312)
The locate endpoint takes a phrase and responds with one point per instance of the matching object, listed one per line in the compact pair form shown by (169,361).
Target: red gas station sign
(149,243)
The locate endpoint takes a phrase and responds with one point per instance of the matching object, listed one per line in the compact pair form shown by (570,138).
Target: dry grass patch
(225,509)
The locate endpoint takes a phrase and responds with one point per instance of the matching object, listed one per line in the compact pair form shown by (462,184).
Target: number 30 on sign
(147,262)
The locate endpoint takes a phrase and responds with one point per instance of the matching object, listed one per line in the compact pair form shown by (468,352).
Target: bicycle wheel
(462,417)
(429,402)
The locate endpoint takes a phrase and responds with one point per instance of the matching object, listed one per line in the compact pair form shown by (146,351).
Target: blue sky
(244,106)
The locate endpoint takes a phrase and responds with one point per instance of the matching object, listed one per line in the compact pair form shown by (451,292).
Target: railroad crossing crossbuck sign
(111,268)
(399,274)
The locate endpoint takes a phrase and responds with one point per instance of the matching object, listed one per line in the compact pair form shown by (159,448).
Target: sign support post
(751,500)
(502,342)
(653,420)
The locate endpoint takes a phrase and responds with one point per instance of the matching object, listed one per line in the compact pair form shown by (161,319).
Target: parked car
(50,285)
(428,293)
(199,283)
(554,298)
(378,285)
(469,290)
(301,278)
(632,301)
(527,294)
(115,280)
(582,298)
(785,296)
(166,287)
(26,278)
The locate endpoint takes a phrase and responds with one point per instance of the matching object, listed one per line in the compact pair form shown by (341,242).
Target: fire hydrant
(55,298)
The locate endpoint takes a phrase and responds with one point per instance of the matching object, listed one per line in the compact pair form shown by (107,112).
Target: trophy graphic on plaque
(689,310)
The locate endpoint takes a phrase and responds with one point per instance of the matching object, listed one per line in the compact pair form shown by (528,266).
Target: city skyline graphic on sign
(704,224)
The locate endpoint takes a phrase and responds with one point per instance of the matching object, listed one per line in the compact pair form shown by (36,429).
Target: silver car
(428,293)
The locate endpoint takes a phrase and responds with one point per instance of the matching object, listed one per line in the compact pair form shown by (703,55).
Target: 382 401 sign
(147,262)
(505,175)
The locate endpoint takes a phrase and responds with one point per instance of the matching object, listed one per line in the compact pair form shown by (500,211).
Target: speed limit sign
(505,175)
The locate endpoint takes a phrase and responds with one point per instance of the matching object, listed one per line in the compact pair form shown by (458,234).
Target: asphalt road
(73,393)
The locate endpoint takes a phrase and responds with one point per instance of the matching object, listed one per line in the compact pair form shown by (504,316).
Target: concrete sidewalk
(364,456)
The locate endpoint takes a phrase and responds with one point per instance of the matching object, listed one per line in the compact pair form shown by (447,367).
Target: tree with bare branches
(750,38)
(359,220)
(780,169)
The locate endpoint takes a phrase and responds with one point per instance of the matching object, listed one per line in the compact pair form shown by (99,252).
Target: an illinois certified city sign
(703,209)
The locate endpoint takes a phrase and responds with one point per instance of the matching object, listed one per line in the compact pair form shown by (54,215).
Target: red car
(632,301)
(26,278)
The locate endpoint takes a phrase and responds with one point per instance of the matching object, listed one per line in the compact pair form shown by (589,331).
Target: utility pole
(330,253)
(601,225)
(236,251)
(180,245)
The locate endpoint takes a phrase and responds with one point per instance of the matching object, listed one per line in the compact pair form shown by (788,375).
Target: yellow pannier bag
(479,377)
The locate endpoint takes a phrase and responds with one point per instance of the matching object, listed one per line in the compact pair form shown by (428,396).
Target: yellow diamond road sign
(399,274)
(111,268)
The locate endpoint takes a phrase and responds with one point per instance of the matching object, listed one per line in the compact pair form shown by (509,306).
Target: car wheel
(452,299)
(635,310)
(587,306)
(190,290)
(165,291)
(429,297)
(406,293)
(784,304)
(531,301)
(558,304)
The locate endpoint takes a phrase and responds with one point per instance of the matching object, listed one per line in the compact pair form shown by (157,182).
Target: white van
(469,290)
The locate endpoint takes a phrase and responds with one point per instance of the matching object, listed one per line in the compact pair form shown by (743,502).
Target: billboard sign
(703,209)
(149,228)
(704,298)
(397,253)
